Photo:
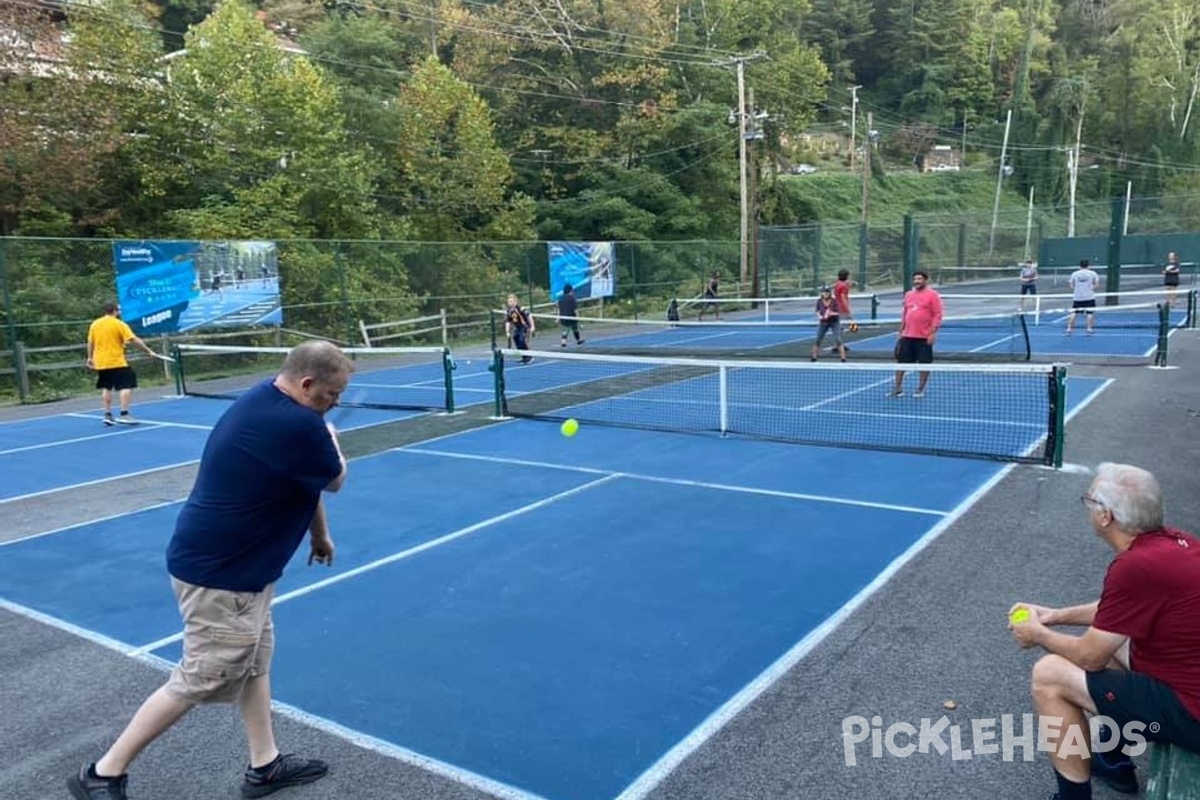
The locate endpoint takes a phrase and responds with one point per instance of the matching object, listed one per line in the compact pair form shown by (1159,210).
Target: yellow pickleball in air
(570,428)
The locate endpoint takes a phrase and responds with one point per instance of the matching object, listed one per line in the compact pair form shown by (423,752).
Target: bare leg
(899,382)
(160,711)
(106,400)
(1060,692)
(126,397)
(924,380)
(255,705)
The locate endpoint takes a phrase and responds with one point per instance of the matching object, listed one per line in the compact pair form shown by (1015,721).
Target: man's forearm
(1075,615)
(320,524)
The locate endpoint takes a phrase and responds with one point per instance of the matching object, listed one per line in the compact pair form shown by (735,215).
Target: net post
(492,323)
(180,388)
(1164,328)
(1191,308)
(448,371)
(445,330)
(724,398)
(1025,337)
(874,307)
(497,369)
(1058,415)
(21,368)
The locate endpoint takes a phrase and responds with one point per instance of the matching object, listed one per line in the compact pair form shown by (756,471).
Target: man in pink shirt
(919,322)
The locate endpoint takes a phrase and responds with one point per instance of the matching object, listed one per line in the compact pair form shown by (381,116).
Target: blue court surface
(540,616)
(51,453)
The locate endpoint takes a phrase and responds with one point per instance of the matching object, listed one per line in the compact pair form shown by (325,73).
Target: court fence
(398,293)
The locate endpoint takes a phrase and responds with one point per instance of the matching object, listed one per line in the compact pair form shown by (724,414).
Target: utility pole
(853,121)
(999,183)
(743,128)
(1073,160)
(866,188)
(742,173)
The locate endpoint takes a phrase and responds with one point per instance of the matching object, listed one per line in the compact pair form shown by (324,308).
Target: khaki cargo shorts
(228,638)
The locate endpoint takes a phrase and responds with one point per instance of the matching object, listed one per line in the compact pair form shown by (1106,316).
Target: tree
(249,140)
(453,177)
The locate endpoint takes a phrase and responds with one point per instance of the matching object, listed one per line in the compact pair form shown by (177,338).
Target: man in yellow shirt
(107,338)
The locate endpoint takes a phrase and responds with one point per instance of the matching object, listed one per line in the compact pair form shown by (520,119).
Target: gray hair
(320,360)
(1132,495)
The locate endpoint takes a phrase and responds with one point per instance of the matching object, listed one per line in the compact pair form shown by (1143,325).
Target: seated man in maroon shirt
(1138,662)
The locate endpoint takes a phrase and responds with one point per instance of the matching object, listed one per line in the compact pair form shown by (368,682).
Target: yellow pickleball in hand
(570,428)
(1019,616)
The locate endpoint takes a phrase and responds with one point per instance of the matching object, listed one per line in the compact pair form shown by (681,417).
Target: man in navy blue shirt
(257,492)
(568,314)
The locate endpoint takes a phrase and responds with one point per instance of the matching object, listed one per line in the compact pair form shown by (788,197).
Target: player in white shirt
(1084,282)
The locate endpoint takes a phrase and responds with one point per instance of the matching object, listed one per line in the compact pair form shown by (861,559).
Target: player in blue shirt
(568,314)
(257,493)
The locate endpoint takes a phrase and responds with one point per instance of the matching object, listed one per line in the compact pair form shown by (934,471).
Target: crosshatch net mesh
(402,378)
(1002,412)
(975,338)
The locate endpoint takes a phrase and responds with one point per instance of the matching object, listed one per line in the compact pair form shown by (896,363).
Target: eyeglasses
(1090,502)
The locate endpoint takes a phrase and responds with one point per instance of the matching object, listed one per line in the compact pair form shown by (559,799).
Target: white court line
(106,479)
(77,439)
(409,553)
(152,423)
(63,625)
(676,481)
(842,396)
(457,774)
(460,775)
(88,522)
(658,772)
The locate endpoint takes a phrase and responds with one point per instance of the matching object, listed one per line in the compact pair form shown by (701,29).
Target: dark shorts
(1171,279)
(1028,288)
(1133,697)
(569,324)
(914,351)
(1083,305)
(117,378)
(827,326)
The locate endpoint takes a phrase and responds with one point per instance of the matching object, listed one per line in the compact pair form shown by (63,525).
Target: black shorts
(1083,305)
(1028,288)
(1171,279)
(117,378)
(1134,697)
(914,351)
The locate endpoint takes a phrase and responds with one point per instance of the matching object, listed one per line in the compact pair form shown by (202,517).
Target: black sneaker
(108,420)
(87,786)
(284,771)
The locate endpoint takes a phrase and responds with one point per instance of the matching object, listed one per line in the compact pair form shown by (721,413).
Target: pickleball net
(1002,337)
(1002,412)
(401,378)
